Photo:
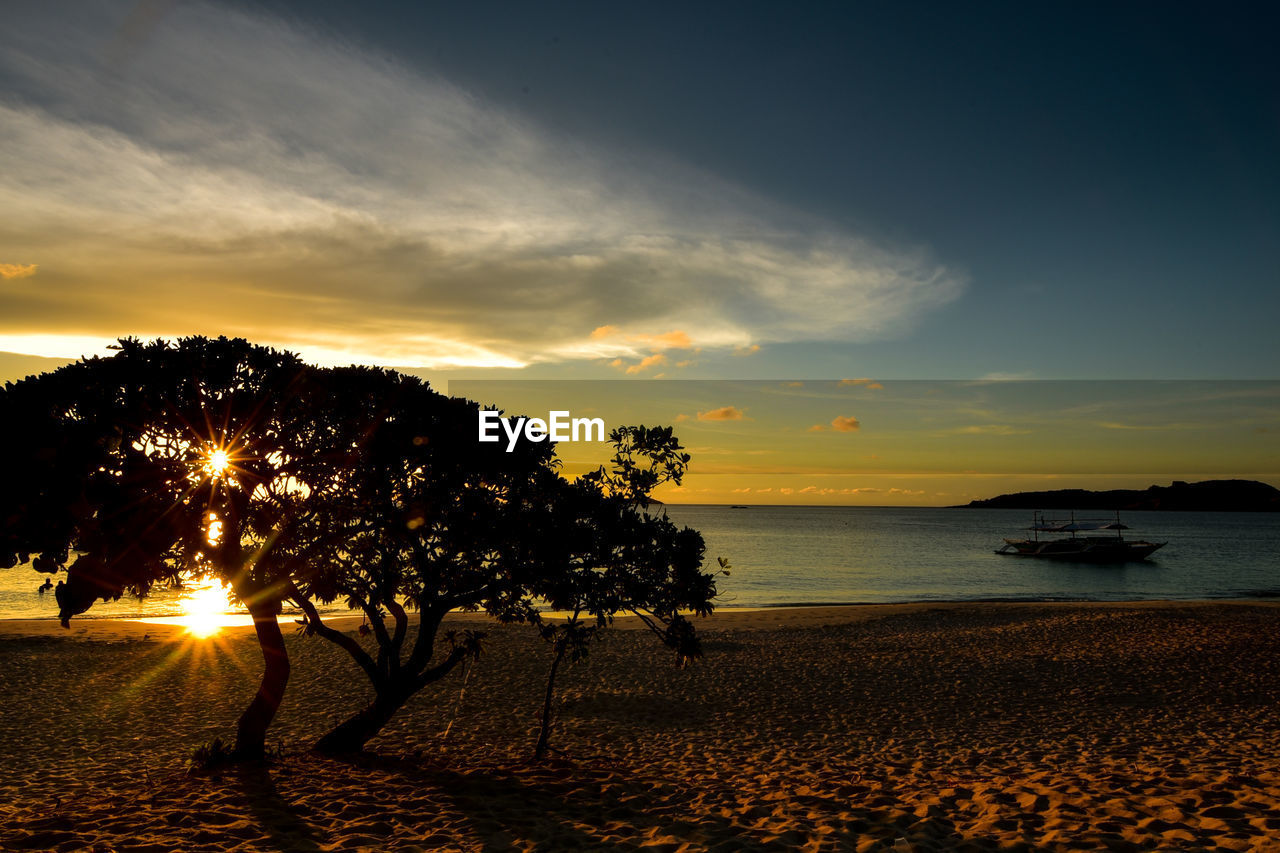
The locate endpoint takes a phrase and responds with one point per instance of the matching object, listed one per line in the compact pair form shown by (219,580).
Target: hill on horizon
(1180,496)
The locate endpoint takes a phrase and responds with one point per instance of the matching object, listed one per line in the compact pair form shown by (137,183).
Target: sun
(204,609)
(217,462)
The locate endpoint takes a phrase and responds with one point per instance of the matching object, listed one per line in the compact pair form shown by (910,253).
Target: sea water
(812,555)
(828,555)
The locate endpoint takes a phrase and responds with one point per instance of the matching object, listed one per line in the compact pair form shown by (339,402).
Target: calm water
(786,555)
(797,555)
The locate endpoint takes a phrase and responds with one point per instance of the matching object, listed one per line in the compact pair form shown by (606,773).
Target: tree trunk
(544,736)
(352,734)
(251,730)
(389,697)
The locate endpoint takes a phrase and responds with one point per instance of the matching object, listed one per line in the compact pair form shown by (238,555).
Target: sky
(866,442)
(710,191)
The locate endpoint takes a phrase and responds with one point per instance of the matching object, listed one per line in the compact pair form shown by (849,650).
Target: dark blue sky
(1108,175)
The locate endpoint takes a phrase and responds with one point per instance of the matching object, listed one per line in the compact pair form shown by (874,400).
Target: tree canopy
(360,486)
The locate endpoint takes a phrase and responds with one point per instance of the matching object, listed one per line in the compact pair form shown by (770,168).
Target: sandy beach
(987,726)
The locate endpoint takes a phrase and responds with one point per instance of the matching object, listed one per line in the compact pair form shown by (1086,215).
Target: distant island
(1206,496)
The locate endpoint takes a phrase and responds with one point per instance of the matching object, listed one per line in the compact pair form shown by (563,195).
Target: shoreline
(747,617)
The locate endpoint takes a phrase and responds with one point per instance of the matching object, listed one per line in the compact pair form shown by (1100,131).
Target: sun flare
(204,609)
(217,462)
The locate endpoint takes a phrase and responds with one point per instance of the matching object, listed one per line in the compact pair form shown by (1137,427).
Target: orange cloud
(841,423)
(17,270)
(866,383)
(744,351)
(647,362)
(851,492)
(724,413)
(681,418)
(674,339)
(685,363)
(617,362)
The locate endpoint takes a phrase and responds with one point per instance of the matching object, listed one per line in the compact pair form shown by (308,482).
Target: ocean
(827,555)
(830,555)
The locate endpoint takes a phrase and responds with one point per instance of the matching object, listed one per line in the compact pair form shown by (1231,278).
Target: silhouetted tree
(626,560)
(289,482)
(430,520)
(165,461)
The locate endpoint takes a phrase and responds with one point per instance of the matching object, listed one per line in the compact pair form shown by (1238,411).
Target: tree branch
(379,629)
(428,624)
(402,626)
(649,622)
(441,669)
(314,624)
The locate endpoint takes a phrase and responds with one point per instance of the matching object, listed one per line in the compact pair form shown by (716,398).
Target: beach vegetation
(639,563)
(356,487)
(166,462)
(449,523)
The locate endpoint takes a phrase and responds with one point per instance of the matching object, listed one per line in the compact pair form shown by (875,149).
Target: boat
(1076,547)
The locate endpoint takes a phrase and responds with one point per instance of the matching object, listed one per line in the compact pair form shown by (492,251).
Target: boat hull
(1081,550)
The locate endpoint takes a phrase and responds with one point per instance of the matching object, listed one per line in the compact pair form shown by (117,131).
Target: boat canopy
(1076,526)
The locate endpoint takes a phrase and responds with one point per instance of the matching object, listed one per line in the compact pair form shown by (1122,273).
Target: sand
(986,726)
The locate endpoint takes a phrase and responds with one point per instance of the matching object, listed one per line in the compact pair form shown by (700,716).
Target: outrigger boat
(1074,547)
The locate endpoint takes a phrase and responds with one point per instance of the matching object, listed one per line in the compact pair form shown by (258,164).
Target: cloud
(988,429)
(675,339)
(1143,427)
(681,418)
(840,423)
(747,350)
(826,491)
(1001,376)
(724,413)
(866,383)
(793,384)
(241,174)
(17,270)
(647,362)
